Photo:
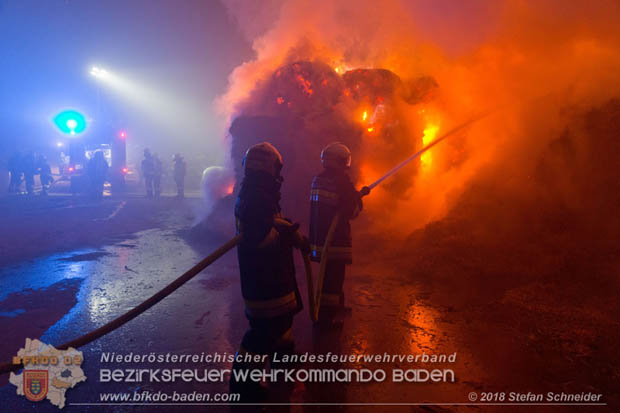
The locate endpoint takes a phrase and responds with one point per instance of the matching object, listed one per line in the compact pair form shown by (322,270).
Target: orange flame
(430,132)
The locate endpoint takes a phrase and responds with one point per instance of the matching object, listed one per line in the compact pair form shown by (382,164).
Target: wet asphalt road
(390,315)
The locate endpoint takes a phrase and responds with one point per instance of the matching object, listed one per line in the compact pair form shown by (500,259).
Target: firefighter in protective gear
(148,172)
(267,270)
(97,171)
(15,168)
(158,171)
(45,174)
(179,169)
(333,193)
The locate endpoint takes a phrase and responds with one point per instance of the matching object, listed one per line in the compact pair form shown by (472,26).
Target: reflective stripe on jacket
(266,265)
(271,308)
(332,192)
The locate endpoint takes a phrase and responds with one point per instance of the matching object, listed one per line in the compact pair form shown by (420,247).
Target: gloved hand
(304,245)
(287,230)
(290,234)
(364,191)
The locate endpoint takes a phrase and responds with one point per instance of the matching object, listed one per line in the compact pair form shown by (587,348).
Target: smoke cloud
(533,64)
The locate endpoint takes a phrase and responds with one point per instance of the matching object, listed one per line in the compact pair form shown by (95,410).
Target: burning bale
(306,105)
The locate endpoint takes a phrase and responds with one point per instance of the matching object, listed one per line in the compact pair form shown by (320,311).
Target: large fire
(389,81)
(430,132)
(305,105)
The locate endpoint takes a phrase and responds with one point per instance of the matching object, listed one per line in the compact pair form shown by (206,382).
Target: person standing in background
(179,170)
(14,166)
(158,170)
(97,170)
(148,169)
(29,169)
(45,174)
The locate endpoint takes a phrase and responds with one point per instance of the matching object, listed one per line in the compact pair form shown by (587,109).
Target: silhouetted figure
(14,166)
(179,170)
(29,169)
(148,170)
(45,174)
(266,267)
(158,170)
(333,194)
(97,170)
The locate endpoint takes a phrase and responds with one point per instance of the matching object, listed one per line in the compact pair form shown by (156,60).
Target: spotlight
(98,72)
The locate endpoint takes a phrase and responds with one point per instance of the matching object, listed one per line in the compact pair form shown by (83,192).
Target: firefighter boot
(240,383)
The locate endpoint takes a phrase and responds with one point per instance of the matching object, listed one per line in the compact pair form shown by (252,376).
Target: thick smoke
(533,64)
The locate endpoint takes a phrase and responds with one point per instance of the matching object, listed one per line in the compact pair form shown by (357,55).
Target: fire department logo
(48,372)
(35,384)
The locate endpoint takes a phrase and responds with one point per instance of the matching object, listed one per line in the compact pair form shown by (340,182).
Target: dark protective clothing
(45,175)
(148,170)
(29,169)
(267,271)
(158,170)
(332,193)
(265,253)
(179,170)
(15,169)
(97,170)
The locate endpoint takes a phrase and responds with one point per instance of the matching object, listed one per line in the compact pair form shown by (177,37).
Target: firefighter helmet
(263,157)
(336,155)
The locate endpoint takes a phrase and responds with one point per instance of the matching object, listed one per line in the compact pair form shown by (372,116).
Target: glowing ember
(364,116)
(429,135)
(306,85)
(370,129)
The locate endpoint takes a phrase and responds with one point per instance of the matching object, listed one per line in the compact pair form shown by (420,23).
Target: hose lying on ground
(131,314)
(163,293)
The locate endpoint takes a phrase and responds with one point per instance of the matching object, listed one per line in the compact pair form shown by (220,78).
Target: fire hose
(160,295)
(133,313)
(336,219)
(314,299)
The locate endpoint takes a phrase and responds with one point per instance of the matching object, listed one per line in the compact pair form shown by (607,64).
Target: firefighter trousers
(264,337)
(332,294)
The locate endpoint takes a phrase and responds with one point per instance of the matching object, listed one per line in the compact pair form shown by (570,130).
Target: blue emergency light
(70,122)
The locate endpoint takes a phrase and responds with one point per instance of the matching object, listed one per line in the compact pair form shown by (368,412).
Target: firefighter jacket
(333,192)
(179,170)
(265,253)
(148,166)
